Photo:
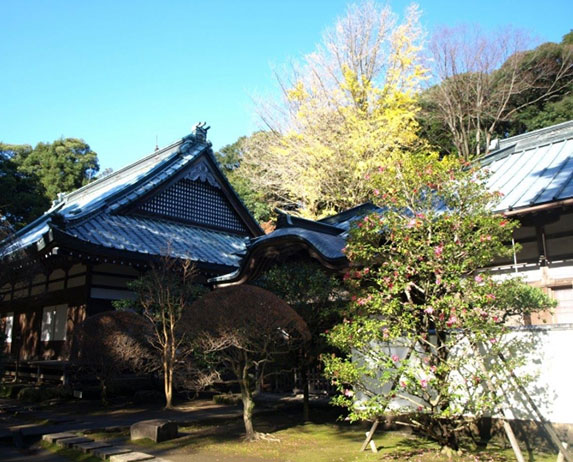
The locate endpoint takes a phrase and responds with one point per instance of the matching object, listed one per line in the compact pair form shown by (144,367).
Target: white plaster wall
(550,362)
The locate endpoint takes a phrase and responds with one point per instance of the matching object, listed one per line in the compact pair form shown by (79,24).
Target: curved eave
(264,252)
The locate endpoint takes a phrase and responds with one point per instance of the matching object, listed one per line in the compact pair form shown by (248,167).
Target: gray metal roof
(534,168)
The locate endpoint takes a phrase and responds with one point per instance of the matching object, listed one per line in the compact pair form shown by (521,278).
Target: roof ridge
(539,131)
(122,170)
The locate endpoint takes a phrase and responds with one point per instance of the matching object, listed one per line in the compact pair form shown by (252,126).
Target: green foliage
(43,393)
(30,178)
(229,159)
(425,315)
(489,87)
(22,196)
(61,166)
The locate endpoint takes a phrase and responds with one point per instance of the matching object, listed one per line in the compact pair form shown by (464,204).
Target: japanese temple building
(78,257)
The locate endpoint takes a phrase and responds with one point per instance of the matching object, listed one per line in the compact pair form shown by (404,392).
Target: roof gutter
(539,208)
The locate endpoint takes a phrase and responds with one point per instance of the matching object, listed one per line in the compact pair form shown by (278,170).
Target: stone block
(69,442)
(53,437)
(106,453)
(89,447)
(131,457)
(157,430)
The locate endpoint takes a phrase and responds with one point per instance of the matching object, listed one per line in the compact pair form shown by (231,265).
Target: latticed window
(195,202)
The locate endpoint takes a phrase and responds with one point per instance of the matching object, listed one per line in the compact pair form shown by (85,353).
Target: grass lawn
(323,440)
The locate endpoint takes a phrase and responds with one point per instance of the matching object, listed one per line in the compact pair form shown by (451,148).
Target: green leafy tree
(22,197)
(61,166)
(317,297)
(230,158)
(425,315)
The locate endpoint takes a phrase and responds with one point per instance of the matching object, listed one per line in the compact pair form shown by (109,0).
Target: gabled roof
(148,209)
(533,169)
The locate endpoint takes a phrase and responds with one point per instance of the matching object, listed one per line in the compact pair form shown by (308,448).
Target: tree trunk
(248,406)
(305,391)
(168,385)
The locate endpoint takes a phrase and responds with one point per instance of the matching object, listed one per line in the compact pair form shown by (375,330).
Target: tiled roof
(534,168)
(95,214)
(146,235)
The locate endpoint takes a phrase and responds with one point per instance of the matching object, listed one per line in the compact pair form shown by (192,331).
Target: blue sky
(119,73)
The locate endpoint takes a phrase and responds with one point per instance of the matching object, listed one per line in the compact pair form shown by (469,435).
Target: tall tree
(317,297)
(22,196)
(61,166)
(486,78)
(163,294)
(349,105)
(427,323)
(255,325)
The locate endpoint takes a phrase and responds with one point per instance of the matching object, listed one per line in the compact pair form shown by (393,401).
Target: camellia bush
(427,323)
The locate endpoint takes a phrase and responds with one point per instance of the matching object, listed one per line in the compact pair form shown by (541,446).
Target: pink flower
(348,393)
(381,169)
(412,223)
(478,278)
(490,296)
(376,192)
(403,384)
(433,368)
(420,408)
(385,333)
(395,358)
(429,310)
(453,319)
(502,223)
(493,340)
(423,383)
(438,250)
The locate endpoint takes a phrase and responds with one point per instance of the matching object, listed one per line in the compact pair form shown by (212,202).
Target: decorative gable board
(196,197)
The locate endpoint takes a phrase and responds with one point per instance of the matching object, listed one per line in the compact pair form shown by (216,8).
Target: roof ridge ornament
(201,172)
(199,131)
(197,135)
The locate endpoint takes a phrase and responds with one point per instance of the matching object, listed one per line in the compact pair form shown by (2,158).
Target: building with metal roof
(534,174)
(79,256)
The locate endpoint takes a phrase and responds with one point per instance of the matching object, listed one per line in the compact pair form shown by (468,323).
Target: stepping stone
(131,457)
(157,430)
(89,447)
(53,437)
(69,442)
(106,453)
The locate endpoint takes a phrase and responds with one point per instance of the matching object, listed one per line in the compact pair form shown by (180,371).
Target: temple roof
(174,201)
(529,170)
(532,169)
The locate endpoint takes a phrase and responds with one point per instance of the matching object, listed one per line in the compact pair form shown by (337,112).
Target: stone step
(91,446)
(70,442)
(53,437)
(106,453)
(131,457)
